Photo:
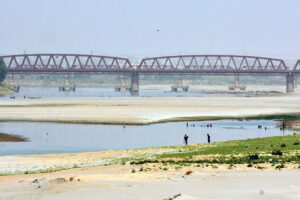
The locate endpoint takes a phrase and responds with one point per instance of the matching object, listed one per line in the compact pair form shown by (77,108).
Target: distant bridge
(181,64)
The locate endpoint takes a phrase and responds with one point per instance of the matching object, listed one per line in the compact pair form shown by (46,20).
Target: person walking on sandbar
(208,138)
(186,139)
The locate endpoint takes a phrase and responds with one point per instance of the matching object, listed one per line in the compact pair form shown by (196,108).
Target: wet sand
(145,110)
(11,138)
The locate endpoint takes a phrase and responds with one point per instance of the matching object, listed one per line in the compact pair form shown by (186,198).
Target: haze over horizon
(138,29)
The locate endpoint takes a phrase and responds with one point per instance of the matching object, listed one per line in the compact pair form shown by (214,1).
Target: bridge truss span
(65,63)
(213,64)
(297,66)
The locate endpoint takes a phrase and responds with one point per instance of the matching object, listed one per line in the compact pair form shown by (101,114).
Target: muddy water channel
(66,138)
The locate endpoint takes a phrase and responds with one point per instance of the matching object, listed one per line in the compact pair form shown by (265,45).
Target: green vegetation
(236,147)
(3,70)
(274,150)
(40,171)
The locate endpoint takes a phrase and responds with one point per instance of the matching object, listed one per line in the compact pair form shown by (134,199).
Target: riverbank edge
(165,155)
(291,117)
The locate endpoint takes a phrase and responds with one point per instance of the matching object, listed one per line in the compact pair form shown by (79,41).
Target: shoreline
(43,163)
(292,119)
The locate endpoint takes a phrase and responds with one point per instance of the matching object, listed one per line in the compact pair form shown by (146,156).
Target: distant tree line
(3,70)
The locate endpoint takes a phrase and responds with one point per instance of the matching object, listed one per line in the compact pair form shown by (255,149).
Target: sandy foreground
(117,182)
(145,110)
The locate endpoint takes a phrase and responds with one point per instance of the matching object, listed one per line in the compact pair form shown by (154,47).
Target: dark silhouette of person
(186,139)
(283,125)
(187,124)
(208,138)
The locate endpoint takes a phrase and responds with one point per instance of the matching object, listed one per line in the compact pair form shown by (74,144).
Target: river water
(66,138)
(53,92)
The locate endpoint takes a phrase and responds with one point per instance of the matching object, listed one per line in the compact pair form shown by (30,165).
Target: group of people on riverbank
(193,125)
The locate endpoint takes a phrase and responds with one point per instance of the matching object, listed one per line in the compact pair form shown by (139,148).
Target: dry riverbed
(145,110)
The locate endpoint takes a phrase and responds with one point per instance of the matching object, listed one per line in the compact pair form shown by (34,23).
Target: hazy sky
(129,27)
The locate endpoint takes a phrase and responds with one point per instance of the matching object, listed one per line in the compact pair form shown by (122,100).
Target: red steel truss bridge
(181,64)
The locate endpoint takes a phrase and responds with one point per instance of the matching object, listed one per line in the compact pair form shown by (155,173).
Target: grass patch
(236,147)
(251,151)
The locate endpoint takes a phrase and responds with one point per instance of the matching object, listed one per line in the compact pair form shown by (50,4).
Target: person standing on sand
(208,138)
(186,139)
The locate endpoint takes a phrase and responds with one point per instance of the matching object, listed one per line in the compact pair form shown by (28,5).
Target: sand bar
(145,110)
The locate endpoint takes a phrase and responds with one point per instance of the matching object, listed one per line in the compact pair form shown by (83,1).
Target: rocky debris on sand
(58,180)
(188,172)
(173,197)
(39,180)
(41,187)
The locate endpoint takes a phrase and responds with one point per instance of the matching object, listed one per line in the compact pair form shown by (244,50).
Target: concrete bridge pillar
(123,85)
(237,81)
(295,82)
(67,86)
(134,87)
(67,80)
(179,85)
(290,81)
(179,81)
(237,84)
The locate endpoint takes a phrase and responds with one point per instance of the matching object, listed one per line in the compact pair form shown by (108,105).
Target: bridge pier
(179,85)
(290,81)
(123,85)
(134,87)
(237,84)
(12,84)
(295,82)
(10,79)
(66,86)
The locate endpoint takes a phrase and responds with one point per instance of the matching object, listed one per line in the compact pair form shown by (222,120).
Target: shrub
(282,145)
(280,166)
(253,157)
(277,152)
(260,167)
